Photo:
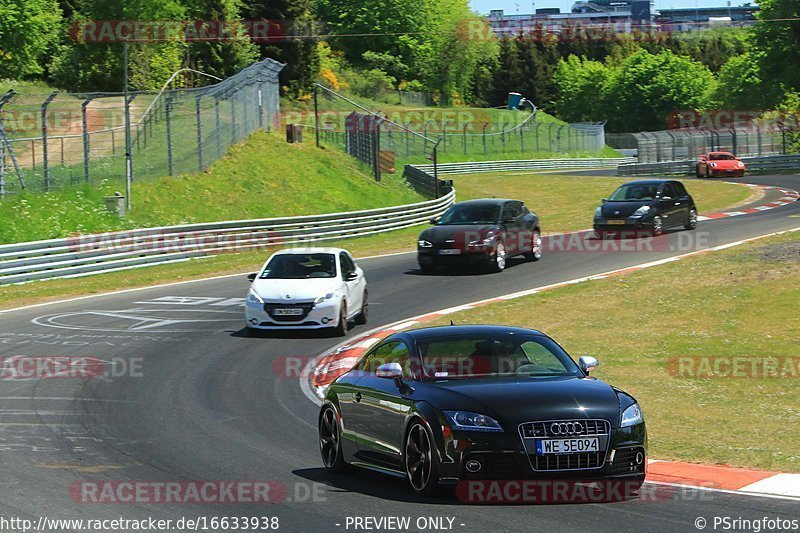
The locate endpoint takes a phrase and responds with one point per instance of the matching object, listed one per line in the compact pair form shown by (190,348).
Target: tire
(341,328)
(658,225)
(536,247)
(362,317)
(692,222)
(498,259)
(708,173)
(330,441)
(697,173)
(421,460)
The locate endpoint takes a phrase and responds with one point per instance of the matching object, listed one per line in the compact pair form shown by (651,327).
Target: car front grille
(305,306)
(552,429)
(530,432)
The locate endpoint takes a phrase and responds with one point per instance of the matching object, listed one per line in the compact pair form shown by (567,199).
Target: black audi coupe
(646,205)
(480,232)
(447,404)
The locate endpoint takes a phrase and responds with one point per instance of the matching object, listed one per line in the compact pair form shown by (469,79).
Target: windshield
(635,192)
(300,266)
(721,157)
(496,355)
(470,214)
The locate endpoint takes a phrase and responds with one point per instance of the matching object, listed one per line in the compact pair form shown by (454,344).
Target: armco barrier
(90,254)
(539,164)
(687,167)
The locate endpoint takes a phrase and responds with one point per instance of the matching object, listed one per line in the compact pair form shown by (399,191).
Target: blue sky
(526,6)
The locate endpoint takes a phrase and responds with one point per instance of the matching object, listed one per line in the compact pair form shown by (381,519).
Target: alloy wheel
(329,438)
(418,458)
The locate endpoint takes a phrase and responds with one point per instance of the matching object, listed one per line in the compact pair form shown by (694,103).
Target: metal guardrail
(109,252)
(540,164)
(687,167)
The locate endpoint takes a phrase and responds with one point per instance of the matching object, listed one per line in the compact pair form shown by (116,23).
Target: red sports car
(719,164)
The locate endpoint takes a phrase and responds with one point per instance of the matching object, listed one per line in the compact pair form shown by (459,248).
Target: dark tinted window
(721,157)
(300,266)
(513,210)
(680,190)
(668,191)
(348,265)
(635,191)
(471,214)
(494,355)
(391,352)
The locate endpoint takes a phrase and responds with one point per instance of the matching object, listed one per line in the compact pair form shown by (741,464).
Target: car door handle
(358,397)
(677,203)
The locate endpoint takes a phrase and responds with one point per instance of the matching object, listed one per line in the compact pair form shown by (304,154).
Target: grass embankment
(565,202)
(742,421)
(262,177)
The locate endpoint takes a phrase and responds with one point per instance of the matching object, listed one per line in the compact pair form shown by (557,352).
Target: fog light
(325,320)
(473,465)
(639,458)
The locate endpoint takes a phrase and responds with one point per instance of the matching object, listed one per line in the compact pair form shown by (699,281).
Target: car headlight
(642,211)
(328,296)
(713,165)
(631,416)
(422,243)
(253,297)
(740,164)
(598,212)
(471,421)
(482,242)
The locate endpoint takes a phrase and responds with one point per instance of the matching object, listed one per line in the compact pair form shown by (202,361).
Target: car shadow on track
(285,334)
(464,271)
(373,484)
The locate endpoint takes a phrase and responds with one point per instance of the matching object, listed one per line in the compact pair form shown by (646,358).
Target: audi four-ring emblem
(566,428)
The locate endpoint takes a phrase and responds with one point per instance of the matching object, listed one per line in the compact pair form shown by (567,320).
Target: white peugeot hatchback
(307,288)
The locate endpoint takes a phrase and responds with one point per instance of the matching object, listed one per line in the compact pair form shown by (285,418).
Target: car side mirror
(390,371)
(252,277)
(588,363)
(351,276)
(604,200)
(435,220)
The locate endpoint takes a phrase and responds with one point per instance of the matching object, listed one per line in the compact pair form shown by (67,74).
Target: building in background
(620,16)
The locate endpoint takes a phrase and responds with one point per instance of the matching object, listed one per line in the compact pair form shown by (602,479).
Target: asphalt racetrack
(192,397)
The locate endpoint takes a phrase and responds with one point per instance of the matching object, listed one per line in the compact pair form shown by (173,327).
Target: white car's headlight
(631,416)
(253,297)
(471,421)
(328,296)
(642,211)
(424,244)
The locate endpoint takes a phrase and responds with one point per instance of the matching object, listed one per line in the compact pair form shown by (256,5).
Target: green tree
(83,64)
(294,25)
(220,58)
(646,88)
(741,84)
(778,37)
(581,89)
(28,30)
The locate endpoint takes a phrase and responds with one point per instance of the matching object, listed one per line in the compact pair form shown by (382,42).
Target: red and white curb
(788,197)
(322,370)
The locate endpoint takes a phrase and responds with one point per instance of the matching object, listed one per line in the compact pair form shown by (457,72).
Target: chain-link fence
(60,139)
(745,139)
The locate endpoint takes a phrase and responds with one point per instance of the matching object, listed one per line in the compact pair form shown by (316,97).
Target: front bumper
(323,315)
(502,456)
(612,225)
(726,171)
(468,256)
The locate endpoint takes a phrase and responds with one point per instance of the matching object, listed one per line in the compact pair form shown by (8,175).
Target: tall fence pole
(218,128)
(45,159)
(128,152)
(167,119)
(316,115)
(86,140)
(199,133)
